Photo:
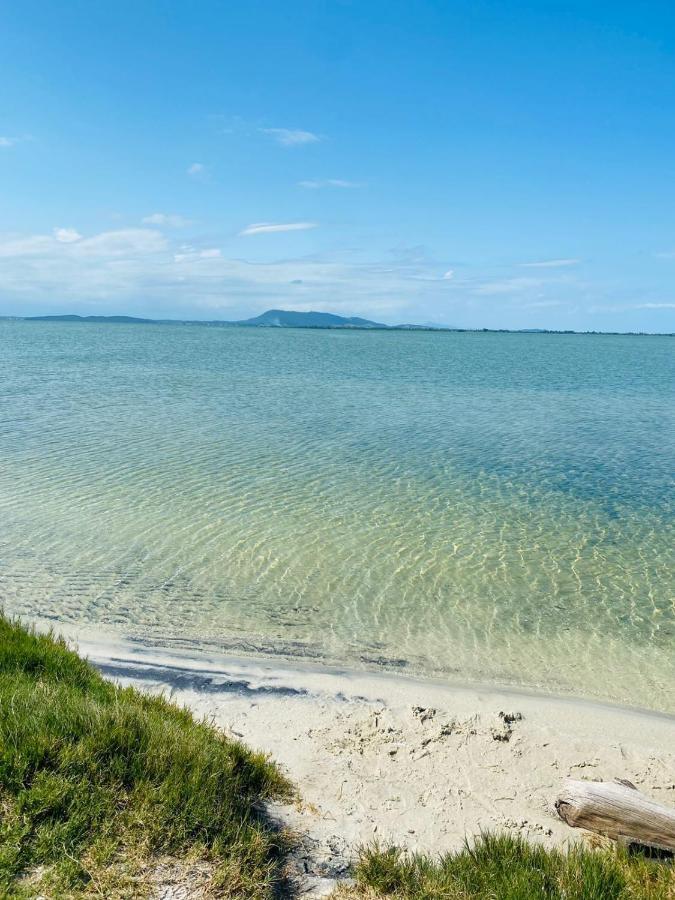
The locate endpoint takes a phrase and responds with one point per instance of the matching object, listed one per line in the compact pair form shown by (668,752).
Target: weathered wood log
(619,811)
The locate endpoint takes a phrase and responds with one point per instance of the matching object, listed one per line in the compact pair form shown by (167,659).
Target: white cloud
(168,219)
(67,235)
(127,242)
(449,275)
(551,264)
(315,184)
(30,245)
(66,242)
(270,227)
(291,137)
(196,170)
(148,268)
(119,269)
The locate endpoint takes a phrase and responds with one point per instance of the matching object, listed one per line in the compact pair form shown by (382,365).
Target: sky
(473,164)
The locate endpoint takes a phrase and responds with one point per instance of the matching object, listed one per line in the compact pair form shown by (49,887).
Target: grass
(502,867)
(100,785)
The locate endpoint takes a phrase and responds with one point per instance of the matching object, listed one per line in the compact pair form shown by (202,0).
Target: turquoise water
(484,507)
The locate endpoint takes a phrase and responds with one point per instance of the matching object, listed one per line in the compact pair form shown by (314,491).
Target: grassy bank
(102,788)
(507,868)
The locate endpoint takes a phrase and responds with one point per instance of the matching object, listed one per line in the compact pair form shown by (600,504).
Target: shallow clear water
(486,507)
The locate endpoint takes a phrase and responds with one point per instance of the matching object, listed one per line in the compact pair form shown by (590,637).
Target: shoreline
(388,757)
(296,658)
(287,669)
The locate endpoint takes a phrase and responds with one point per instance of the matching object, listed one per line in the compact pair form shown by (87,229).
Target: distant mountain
(124,320)
(283,318)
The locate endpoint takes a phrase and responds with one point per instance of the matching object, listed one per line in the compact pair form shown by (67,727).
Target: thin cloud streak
(291,137)
(315,184)
(273,227)
(168,219)
(191,254)
(551,264)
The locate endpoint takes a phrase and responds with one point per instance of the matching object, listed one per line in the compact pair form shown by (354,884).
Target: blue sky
(483,164)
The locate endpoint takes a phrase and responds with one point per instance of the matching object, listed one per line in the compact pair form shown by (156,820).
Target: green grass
(501,867)
(98,784)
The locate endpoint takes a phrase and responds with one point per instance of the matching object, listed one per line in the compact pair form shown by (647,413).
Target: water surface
(484,507)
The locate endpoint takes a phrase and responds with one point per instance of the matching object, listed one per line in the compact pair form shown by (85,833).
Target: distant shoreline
(222,323)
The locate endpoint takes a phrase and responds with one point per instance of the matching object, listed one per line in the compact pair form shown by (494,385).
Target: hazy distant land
(284,318)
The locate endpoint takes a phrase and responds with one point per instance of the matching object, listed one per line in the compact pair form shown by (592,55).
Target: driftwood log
(619,811)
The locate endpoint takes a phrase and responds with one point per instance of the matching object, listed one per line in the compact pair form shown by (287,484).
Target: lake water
(481,507)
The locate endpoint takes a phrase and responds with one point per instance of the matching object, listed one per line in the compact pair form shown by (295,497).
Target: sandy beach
(377,757)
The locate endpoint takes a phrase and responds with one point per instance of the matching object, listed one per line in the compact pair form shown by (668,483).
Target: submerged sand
(409,761)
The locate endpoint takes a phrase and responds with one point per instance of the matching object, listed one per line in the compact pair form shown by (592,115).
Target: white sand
(405,760)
